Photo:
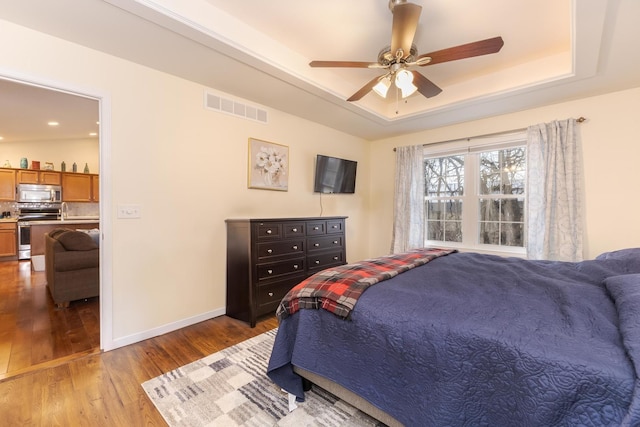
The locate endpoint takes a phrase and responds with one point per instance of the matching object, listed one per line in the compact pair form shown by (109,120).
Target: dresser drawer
(321,261)
(324,242)
(269,296)
(276,248)
(268,231)
(316,228)
(335,227)
(292,230)
(280,268)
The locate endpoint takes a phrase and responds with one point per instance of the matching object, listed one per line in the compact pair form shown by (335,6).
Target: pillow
(622,254)
(57,231)
(74,241)
(94,233)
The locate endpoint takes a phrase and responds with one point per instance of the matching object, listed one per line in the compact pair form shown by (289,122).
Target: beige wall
(611,150)
(187,168)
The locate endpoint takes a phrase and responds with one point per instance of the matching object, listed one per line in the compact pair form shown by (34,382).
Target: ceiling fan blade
(347,64)
(364,90)
(425,86)
(405,23)
(469,50)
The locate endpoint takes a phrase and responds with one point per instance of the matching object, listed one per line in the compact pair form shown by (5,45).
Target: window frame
(471,149)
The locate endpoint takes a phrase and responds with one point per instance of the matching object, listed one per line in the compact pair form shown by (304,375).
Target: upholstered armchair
(72,263)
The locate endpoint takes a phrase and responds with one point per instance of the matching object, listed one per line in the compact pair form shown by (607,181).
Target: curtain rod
(487,135)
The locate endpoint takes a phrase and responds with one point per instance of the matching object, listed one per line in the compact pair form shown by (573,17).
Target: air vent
(226,105)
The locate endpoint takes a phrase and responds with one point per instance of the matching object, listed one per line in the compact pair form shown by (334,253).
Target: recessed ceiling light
(53,123)
(93,134)
(1,138)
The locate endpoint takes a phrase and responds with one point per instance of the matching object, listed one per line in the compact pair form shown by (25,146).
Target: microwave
(36,193)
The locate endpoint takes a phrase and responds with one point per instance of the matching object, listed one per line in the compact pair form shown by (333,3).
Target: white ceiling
(554,50)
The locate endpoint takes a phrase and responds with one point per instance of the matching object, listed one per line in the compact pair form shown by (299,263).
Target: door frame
(104,144)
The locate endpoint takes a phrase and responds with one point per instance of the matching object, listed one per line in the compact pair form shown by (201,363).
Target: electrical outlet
(129,211)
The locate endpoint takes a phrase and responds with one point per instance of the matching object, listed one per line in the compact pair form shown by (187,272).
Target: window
(476,198)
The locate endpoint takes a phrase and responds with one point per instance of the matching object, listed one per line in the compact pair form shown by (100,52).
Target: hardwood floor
(33,332)
(105,389)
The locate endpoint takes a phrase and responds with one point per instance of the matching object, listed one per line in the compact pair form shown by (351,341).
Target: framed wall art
(268,165)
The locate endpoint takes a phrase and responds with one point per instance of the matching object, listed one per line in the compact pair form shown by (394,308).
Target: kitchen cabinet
(80,187)
(8,184)
(267,257)
(8,239)
(32,176)
(95,188)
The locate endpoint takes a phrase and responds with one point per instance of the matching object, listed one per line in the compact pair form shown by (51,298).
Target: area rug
(231,388)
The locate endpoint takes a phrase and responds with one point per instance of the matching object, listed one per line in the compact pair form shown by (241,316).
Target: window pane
(453,231)
(489,233)
(444,176)
(435,209)
(502,171)
(512,234)
(435,230)
(512,210)
(489,209)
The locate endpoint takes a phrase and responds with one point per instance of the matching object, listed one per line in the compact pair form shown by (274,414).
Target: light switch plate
(129,211)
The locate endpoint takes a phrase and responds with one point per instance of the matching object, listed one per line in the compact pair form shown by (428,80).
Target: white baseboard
(161,330)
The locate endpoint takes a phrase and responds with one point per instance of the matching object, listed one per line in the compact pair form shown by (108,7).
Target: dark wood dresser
(267,257)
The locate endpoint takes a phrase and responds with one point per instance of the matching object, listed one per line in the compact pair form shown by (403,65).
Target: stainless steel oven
(28,214)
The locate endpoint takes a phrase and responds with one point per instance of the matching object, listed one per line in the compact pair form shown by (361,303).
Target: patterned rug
(231,388)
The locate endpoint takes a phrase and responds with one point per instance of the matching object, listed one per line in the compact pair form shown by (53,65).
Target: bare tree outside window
(444,178)
(502,181)
(497,185)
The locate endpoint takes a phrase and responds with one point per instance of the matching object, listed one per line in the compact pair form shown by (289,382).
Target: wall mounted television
(334,175)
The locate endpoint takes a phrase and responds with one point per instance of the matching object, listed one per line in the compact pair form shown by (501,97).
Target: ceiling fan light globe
(382,87)
(408,89)
(403,77)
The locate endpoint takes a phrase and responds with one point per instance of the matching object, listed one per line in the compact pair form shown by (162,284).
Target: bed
(472,339)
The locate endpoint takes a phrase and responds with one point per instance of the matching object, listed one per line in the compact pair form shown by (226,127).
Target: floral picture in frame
(268,165)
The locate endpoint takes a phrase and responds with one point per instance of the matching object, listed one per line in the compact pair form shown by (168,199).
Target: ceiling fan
(402,54)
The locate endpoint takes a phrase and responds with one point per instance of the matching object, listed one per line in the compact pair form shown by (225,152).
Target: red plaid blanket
(337,289)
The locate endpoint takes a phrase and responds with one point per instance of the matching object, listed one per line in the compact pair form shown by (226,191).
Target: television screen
(334,175)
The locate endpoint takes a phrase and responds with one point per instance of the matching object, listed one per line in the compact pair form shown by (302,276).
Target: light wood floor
(33,333)
(104,389)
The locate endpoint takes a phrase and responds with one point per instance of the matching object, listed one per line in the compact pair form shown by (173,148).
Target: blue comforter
(480,340)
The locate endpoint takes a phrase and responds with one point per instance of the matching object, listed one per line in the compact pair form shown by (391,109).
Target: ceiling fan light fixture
(404,82)
(408,90)
(382,87)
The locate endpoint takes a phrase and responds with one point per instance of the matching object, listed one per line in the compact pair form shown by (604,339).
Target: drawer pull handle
(270,294)
(295,247)
(316,228)
(335,258)
(295,230)
(269,251)
(269,231)
(335,226)
(270,271)
(316,244)
(335,242)
(317,261)
(295,266)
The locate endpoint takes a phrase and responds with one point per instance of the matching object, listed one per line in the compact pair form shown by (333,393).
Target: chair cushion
(76,241)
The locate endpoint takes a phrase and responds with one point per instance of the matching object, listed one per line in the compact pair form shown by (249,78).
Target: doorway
(69,107)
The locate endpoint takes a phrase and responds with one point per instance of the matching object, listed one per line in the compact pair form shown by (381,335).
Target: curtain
(554,176)
(409,210)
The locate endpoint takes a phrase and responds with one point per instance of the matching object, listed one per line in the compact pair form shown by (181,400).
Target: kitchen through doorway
(56,127)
